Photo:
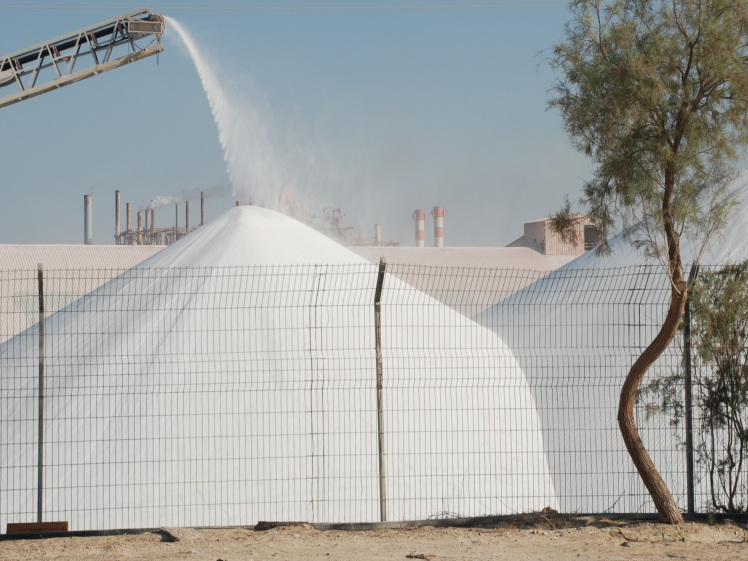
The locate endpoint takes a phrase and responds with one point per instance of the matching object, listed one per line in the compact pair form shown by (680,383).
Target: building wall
(535,236)
(555,246)
(540,237)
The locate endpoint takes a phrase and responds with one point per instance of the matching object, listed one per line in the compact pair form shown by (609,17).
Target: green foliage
(710,518)
(656,93)
(564,223)
(720,336)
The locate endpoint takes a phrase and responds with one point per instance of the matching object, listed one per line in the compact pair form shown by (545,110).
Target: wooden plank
(32,527)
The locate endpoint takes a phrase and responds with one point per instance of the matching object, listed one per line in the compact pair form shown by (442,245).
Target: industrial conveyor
(79,55)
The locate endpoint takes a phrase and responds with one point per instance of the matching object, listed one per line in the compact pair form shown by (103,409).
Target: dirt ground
(548,540)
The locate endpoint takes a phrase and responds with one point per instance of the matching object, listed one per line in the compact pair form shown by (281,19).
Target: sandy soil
(570,539)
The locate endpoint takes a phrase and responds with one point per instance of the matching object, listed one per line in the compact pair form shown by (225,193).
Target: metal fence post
(40,453)
(688,397)
(380,408)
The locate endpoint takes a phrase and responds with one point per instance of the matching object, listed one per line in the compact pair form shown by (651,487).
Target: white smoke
(215,190)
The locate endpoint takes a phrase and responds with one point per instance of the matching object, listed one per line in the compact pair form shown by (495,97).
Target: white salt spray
(252,162)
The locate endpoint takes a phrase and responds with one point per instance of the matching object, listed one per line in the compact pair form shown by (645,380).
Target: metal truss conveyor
(79,55)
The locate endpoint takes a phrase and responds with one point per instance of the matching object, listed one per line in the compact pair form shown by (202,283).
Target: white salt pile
(223,382)
(575,334)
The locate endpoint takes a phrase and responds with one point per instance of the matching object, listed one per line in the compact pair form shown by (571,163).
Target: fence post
(380,408)
(688,397)
(40,453)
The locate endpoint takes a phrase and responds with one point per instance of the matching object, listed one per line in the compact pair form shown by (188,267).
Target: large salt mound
(576,333)
(221,382)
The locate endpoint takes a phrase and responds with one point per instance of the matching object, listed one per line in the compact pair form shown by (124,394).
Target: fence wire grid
(328,393)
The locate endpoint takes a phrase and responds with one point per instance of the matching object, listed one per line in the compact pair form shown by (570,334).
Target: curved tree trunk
(663,499)
(661,495)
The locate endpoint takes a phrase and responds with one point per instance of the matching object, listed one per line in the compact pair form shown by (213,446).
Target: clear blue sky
(392,109)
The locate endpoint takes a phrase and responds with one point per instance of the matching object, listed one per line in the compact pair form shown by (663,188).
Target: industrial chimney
(88,219)
(202,208)
(377,234)
(420,217)
(116,214)
(438,214)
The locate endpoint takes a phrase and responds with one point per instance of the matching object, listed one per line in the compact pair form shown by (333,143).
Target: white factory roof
(522,258)
(70,271)
(464,278)
(51,256)
(467,279)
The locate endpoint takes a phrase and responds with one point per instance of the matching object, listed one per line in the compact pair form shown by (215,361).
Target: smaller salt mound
(223,382)
(726,247)
(576,333)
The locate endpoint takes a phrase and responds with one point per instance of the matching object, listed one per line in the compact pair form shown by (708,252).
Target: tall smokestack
(140,228)
(202,208)
(88,219)
(420,217)
(153,218)
(116,212)
(186,217)
(377,234)
(129,217)
(438,214)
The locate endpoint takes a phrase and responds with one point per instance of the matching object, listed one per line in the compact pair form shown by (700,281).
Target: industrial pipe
(88,219)
(116,213)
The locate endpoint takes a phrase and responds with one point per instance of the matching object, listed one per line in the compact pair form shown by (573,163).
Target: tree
(655,92)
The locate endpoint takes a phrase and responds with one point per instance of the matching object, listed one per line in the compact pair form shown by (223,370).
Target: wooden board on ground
(33,527)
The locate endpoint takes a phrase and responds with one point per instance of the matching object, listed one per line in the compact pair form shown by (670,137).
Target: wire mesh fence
(226,396)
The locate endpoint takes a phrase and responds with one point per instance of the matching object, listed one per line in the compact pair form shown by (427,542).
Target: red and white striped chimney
(438,214)
(420,217)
